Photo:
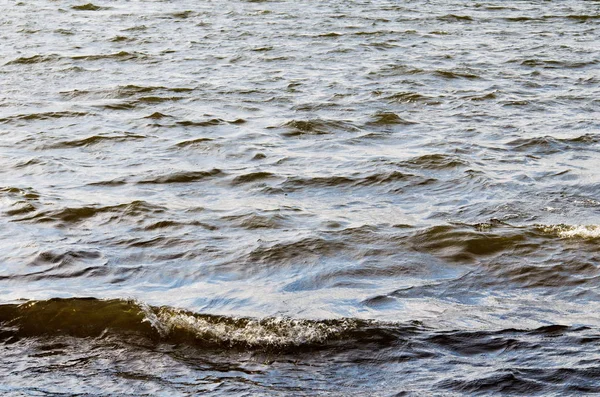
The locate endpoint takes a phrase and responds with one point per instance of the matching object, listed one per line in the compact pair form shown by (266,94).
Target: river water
(273,198)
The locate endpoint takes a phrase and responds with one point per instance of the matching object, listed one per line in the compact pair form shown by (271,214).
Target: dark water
(330,198)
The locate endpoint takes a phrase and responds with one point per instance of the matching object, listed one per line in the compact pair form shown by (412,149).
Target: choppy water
(299,198)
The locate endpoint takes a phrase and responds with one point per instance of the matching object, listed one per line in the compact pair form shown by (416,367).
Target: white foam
(573,231)
(272,331)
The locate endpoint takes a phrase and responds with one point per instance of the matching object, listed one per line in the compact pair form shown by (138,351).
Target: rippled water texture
(299,198)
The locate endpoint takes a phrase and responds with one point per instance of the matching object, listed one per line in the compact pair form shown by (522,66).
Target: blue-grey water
(318,198)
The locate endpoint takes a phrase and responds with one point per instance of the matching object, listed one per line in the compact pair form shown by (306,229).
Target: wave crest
(572,231)
(90,317)
(247,332)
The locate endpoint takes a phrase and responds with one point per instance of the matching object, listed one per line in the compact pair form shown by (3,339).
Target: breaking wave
(572,231)
(90,317)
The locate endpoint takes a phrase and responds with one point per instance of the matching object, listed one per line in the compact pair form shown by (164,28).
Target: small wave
(253,177)
(569,273)
(381,45)
(482,97)
(209,123)
(43,116)
(119,39)
(72,215)
(553,64)
(19,201)
(121,55)
(194,142)
(316,127)
(119,106)
(183,14)
(375,179)
(572,231)
(330,34)
(29,162)
(183,177)
(157,242)
(65,32)
(373,33)
(27,193)
(456,74)
(262,49)
(64,263)
(585,138)
(63,258)
(125,97)
(253,220)
(93,140)
(293,183)
(583,17)
(396,70)
(130,90)
(87,7)
(412,97)
(455,18)
(157,116)
(550,145)
(159,99)
(388,118)
(384,178)
(34,59)
(436,161)
(174,224)
(463,243)
(506,381)
(20,208)
(520,19)
(111,182)
(136,28)
(294,252)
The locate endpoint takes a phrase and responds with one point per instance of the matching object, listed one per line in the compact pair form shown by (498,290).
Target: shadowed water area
(333,198)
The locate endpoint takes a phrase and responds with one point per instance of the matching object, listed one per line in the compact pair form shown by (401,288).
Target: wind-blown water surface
(299,198)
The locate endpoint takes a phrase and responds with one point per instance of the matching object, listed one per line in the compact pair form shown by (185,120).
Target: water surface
(278,198)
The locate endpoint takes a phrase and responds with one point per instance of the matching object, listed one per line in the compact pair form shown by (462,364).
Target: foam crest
(267,332)
(90,317)
(573,231)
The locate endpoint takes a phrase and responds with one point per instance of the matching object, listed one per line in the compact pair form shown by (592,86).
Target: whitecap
(572,231)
